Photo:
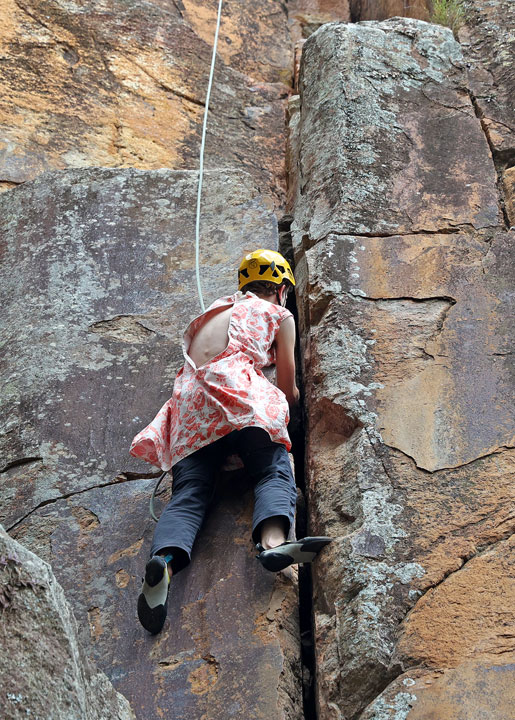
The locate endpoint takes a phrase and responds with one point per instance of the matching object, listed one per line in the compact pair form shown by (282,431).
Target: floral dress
(227,393)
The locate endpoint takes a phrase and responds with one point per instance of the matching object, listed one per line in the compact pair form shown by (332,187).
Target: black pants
(267,464)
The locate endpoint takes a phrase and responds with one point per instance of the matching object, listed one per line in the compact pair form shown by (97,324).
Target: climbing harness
(199,195)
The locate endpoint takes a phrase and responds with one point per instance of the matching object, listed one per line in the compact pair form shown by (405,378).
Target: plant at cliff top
(448,12)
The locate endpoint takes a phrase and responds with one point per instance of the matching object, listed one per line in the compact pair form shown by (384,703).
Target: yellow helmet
(264,265)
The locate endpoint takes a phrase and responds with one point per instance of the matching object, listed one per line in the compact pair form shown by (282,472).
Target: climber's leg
(268,463)
(275,492)
(192,490)
(273,532)
(152,601)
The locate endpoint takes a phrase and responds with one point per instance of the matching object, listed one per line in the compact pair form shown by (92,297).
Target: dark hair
(264,287)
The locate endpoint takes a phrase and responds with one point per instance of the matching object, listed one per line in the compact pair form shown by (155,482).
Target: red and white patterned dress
(228,393)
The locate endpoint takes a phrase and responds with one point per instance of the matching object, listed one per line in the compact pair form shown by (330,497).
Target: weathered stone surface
(228,618)
(306,16)
(383,9)
(394,94)
(459,694)
(43,670)
(93,316)
(432,313)
(488,41)
(90,353)
(123,84)
(452,622)
(407,357)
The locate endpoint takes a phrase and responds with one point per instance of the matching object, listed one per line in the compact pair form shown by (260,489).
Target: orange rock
(125,87)
(467,615)
(383,9)
(474,689)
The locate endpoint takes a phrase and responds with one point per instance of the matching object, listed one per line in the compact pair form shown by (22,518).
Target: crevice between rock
(501,160)
(306,621)
(309,242)
(19,462)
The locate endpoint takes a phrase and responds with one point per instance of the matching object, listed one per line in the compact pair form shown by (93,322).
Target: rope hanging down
(199,195)
(201,166)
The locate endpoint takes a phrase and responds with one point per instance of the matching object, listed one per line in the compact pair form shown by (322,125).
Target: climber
(222,404)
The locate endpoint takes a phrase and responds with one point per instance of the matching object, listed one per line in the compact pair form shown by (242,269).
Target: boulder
(391,96)
(43,669)
(405,283)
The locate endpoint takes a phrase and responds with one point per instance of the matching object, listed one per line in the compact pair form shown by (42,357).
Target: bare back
(212,338)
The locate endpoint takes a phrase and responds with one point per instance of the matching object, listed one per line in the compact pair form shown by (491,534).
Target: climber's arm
(285,360)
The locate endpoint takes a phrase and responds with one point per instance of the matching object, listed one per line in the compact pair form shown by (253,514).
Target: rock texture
(123,84)
(383,9)
(43,669)
(488,42)
(401,182)
(91,349)
(406,287)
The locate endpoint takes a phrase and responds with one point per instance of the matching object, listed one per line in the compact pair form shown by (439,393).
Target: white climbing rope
(201,166)
(199,195)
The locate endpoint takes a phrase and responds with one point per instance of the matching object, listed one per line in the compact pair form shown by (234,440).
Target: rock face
(52,676)
(406,285)
(114,255)
(488,50)
(401,187)
(123,84)
(92,349)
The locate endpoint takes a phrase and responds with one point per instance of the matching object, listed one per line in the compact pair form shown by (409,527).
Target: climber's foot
(152,602)
(289,553)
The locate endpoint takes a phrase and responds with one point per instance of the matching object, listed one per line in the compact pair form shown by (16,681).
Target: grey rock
(44,672)
(387,133)
(97,283)
(94,315)
(404,285)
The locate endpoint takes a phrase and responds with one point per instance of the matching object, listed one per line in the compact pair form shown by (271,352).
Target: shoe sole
(296,552)
(152,619)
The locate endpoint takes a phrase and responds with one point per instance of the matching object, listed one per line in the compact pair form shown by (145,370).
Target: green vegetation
(448,12)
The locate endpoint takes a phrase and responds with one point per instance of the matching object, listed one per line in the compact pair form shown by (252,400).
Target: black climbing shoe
(153,600)
(289,553)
